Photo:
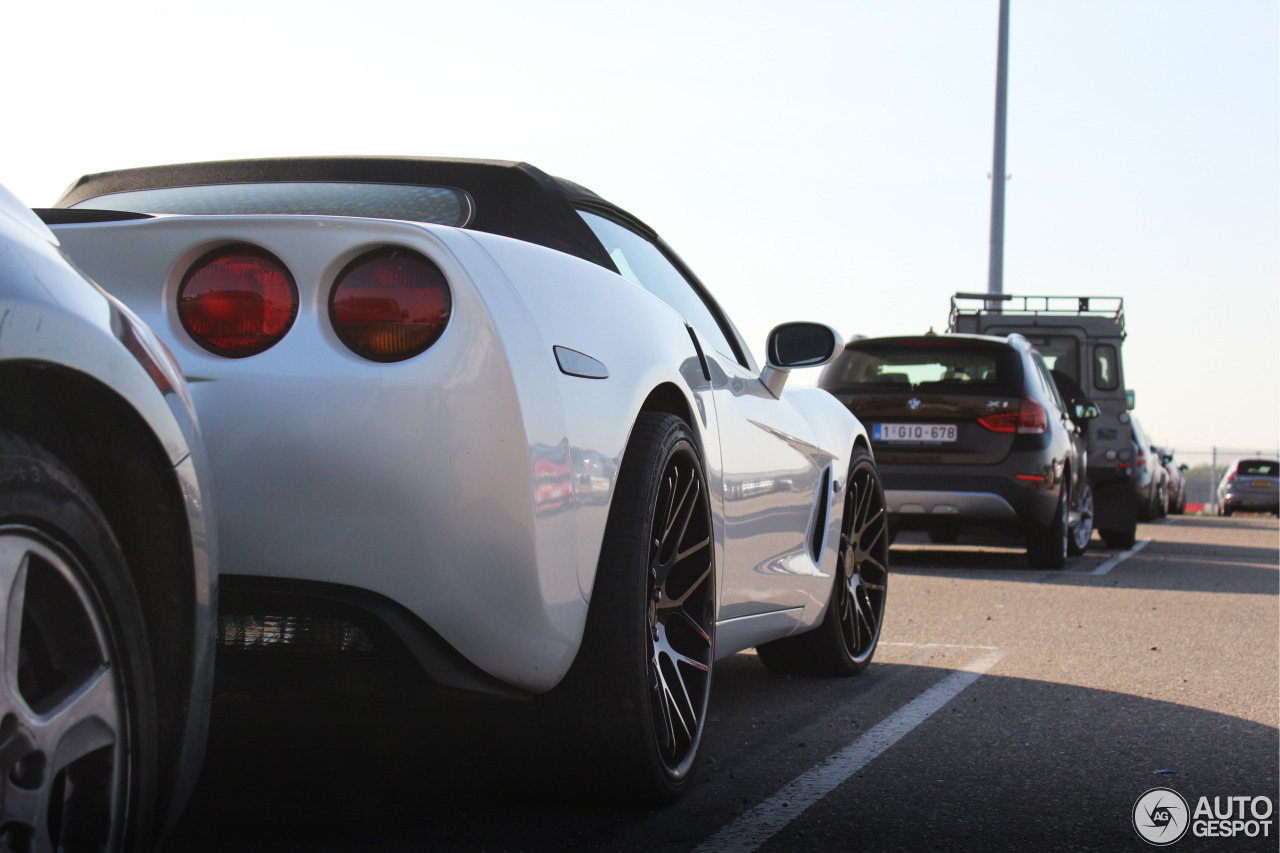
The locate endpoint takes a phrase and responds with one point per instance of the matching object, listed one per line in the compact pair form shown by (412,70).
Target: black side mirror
(793,345)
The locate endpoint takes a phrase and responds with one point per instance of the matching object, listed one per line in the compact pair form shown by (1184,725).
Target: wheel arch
(109,447)
(668,398)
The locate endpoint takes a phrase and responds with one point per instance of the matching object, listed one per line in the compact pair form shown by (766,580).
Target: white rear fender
(578,305)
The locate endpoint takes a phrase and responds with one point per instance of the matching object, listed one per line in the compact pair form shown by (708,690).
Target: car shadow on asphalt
(319,769)
(1173,565)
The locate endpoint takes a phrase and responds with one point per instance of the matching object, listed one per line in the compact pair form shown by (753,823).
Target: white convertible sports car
(478,416)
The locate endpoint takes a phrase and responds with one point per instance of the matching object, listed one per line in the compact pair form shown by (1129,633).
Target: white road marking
(1120,558)
(942,645)
(760,824)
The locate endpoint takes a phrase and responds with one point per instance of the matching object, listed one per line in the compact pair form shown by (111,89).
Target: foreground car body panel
(420,480)
(84,378)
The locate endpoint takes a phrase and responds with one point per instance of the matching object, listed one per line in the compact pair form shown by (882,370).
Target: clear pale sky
(810,160)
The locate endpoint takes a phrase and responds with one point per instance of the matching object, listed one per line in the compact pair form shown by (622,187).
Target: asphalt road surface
(1007,709)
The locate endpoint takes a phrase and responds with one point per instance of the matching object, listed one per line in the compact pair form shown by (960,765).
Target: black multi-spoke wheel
(681,609)
(845,641)
(76,702)
(631,711)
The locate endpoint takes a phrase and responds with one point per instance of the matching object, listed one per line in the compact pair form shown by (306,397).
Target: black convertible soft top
(512,199)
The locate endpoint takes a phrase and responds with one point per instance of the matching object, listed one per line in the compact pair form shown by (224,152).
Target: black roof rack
(1109,307)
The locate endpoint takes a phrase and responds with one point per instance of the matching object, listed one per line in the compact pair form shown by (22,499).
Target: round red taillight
(237,300)
(390,304)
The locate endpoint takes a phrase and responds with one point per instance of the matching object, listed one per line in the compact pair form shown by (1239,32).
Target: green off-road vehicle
(1080,338)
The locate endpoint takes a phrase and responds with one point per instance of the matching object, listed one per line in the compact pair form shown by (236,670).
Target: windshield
(438,205)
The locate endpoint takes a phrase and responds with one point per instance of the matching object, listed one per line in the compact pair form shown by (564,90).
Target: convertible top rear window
(913,366)
(438,205)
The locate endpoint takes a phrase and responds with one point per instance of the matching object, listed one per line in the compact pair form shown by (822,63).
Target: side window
(1106,367)
(1047,383)
(644,263)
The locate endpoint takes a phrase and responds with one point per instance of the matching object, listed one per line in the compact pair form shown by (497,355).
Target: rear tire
(630,713)
(75,649)
(845,641)
(1047,548)
(1082,530)
(1120,540)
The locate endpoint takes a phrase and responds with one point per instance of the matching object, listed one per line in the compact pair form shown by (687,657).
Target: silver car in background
(107,562)
(1250,485)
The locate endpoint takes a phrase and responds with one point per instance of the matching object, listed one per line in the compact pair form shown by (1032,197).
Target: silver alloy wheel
(1082,532)
(681,611)
(864,565)
(63,733)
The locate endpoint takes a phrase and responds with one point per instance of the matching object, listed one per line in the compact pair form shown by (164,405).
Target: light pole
(995,267)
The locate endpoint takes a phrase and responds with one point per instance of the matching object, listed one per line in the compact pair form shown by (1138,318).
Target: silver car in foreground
(107,562)
(479,418)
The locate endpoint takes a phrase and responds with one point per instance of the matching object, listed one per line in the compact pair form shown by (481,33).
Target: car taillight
(1030,418)
(390,304)
(1140,460)
(237,300)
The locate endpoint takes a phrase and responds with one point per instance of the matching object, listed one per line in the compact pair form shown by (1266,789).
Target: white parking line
(1120,558)
(760,824)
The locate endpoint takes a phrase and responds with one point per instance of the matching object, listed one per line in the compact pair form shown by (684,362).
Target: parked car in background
(477,419)
(1082,337)
(1149,479)
(971,435)
(1250,484)
(107,562)
(1176,490)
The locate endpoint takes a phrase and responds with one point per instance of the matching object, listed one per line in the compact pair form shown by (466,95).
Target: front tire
(77,696)
(845,641)
(633,706)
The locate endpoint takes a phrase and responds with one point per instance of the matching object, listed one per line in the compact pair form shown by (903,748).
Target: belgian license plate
(1261,484)
(921,433)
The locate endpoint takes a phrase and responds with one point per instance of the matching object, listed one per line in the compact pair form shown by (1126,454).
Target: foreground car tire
(77,696)
(1082,530)
(1047,549)
(845,641)
(635,700)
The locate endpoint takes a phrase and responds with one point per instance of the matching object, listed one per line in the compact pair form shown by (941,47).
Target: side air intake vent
(818,528)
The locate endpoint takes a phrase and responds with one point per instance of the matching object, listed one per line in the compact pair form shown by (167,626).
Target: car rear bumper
(1252,501)
(929,501)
